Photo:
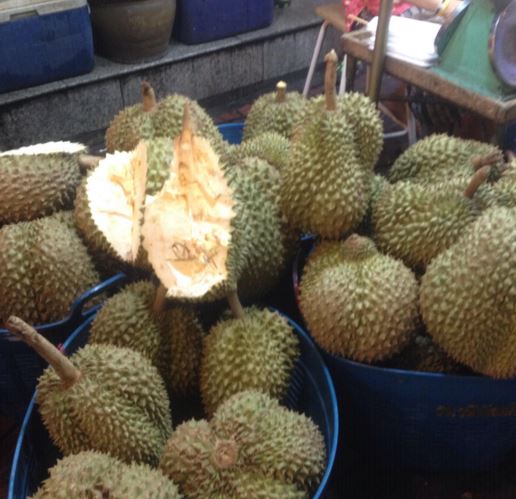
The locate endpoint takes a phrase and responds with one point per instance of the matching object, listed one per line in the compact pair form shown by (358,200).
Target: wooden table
(355,44)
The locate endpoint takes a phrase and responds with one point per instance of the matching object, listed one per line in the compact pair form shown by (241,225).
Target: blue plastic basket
(232,132)
(418,420)
(20,366)
(311,391)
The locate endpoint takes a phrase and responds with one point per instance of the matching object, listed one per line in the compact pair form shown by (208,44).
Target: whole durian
(104,398)
(151,119)
(504,191)
(356,302)
(468,296)
(278,112)
(44,268)
(252,447)
(90,474)
(38,180)
(254,352)
(416,222)
(440,157)
(325,188)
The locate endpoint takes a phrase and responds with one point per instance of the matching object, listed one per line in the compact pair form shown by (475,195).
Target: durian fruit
(325,188)
(416,222)
(38,180)
(468,296)
(103,398)
(268,146)
(151,119)
(356,302)
(504,191)
(440,157)
(278,112)
(252,447)
(255,351)
(44,268)
(422,354)
(90,474)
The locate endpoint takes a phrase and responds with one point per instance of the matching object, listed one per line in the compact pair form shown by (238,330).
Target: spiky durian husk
(324,188)
(44,267)
(93,474)
(356,302)
(468,296)
(439,157)
(268,146)
(416,222)
(126,320)
(255,352)
(251,443)
(504,191)
(268,115)
(378,183)
(367,126)
(38,180)
(118,406)
(128,127)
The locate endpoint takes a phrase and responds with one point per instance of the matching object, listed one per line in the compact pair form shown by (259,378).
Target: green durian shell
(468,296)
(128,127)
(356,302)
(257,352)
(504,191)
(91,474)
(118,406)
(36,185)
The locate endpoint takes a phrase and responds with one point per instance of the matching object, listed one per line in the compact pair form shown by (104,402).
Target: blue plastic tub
(200,21)
(20,366)
(43,42)
(311,391)
(428,421)
(232,132)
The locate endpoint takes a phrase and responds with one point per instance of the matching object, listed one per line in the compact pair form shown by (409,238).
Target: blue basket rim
(230,126)
(332,451)
(475,377)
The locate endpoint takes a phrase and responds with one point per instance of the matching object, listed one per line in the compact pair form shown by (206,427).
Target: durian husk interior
(183,231)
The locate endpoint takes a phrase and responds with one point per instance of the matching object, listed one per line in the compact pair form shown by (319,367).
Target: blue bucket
(311,392)
(419,420)
(20,366)
(232,132)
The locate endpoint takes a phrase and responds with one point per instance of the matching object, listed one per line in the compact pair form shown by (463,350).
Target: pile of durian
(416,270)
(198,221)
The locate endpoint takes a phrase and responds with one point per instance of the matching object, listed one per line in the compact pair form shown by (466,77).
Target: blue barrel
(311,391)
(419,420)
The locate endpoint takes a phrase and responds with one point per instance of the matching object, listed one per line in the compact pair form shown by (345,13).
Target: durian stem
(160,299)
(330,80)
(148,96)
(225,454)
(485,160)
(66,371)
(476,181)
(89,162)
(281,91)
(235,305)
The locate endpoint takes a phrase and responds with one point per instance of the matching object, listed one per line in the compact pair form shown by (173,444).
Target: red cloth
(354,7)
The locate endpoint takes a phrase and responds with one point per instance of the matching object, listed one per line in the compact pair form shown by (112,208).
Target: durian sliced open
(187,225)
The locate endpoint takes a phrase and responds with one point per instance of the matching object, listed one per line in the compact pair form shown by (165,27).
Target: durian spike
(235,305)
(479,177)
(89,161)
(225,454)
(68,373)
(160,299)
(485,160)
(281,91)
(330,80)
(149,97)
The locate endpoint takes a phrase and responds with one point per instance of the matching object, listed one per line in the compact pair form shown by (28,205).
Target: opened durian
(89,475)
(151,119)
(38,180)
(468,296)
(325,188)
(44,268)
(356,302)
(416,222)
(278,112)
(103,398)
(255,351)
(252,446)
